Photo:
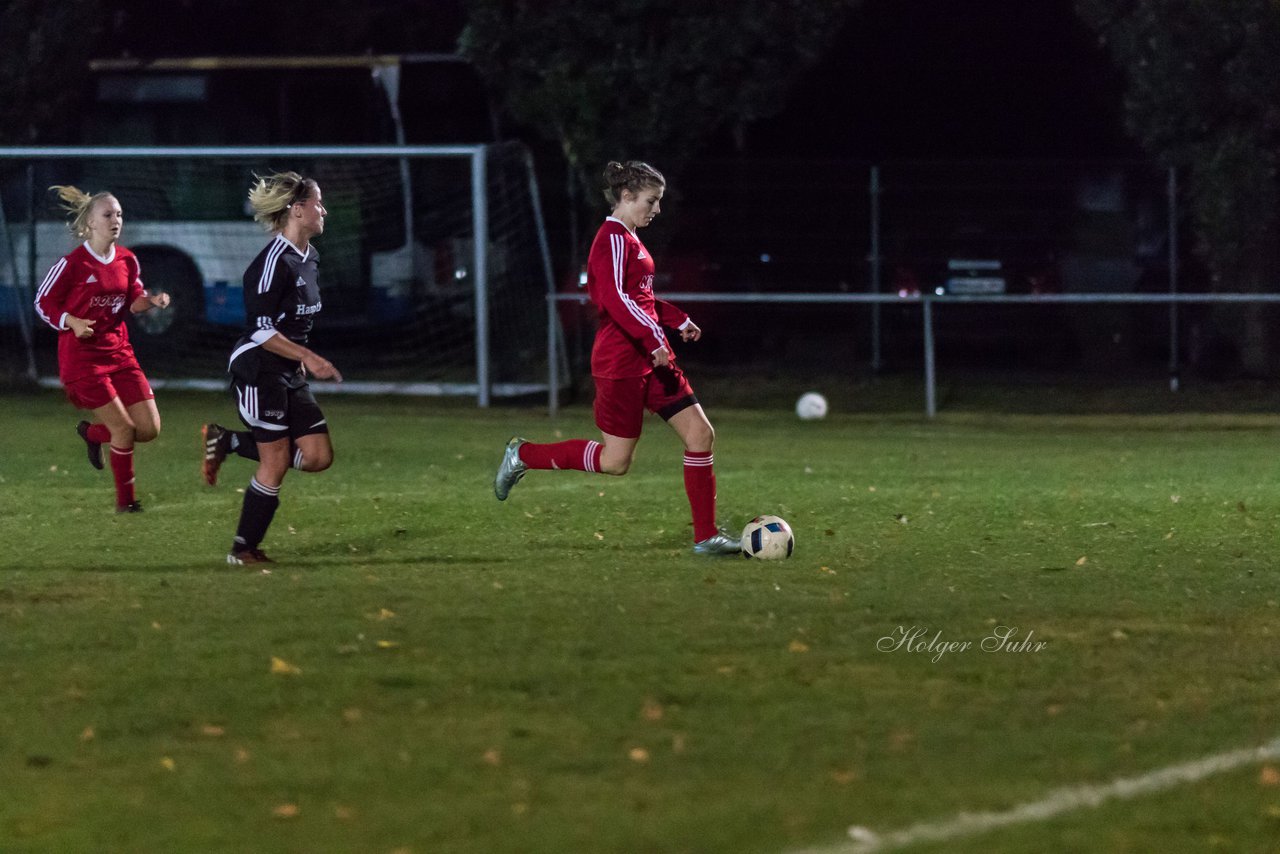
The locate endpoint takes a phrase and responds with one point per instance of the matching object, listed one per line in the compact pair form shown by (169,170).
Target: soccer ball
(811,406)
(768,538)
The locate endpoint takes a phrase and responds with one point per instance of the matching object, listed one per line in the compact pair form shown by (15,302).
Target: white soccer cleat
(511,469)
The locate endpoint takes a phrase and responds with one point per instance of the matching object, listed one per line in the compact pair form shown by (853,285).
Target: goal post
(434,270)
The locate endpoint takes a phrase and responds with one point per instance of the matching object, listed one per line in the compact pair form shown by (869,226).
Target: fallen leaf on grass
(797,646)
(343,813)
(1082,560)
(352,715)
(493,757)
(88,734)
(652,710)
(383,614)
(638,754)
(283,668)
(286,811)
(388,644)
(212,731)
(1269,776)
(168,764)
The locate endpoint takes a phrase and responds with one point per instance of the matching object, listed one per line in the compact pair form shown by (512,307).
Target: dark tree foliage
(647,79)
(44,48)
(1203,95)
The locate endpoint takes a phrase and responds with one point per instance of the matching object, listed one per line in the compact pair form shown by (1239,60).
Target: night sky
(955,79)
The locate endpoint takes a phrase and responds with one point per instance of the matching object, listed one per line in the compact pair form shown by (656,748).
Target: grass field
(429,670)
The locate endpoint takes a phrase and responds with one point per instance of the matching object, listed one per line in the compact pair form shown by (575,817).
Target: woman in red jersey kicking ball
(632,364)
(84,297)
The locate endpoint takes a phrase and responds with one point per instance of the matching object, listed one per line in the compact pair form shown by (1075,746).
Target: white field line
(1057,802)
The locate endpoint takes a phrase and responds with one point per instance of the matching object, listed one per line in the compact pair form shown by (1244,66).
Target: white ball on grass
(811,406)
(768,538)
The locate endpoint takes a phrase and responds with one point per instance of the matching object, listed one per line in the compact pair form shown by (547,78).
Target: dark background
(905,78)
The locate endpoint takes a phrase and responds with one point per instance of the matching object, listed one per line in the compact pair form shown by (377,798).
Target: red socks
(122,471)
(584,455)
(700,486)
(98,433)
(575,454)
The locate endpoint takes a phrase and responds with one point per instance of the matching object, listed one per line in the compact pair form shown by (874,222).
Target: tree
(649,79)
(1203,95)
(43,63)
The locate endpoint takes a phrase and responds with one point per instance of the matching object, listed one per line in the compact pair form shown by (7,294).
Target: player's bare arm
(314,364)
(147,301)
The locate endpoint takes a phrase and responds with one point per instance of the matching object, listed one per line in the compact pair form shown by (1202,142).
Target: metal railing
(927,303)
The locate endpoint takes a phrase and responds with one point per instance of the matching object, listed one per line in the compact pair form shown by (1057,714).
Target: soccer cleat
(719,543)
(511,469)
(95,448)
(247,557)
(131,507)
(217,444)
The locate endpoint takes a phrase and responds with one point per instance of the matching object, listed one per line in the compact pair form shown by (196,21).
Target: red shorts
(127,383)
(620,404)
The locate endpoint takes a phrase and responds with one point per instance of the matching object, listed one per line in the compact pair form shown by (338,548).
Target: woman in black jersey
(270,363)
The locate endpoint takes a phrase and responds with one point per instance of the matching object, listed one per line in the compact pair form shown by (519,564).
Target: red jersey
(83,284)
(620,283)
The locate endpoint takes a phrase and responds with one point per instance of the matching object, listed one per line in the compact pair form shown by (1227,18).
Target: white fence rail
(928,304)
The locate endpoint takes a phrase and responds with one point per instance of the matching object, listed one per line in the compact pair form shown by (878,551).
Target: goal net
(410,305)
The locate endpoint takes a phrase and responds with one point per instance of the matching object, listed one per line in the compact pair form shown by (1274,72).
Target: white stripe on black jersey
(281,296)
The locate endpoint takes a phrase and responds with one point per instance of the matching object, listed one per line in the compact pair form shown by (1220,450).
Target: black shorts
(278,406)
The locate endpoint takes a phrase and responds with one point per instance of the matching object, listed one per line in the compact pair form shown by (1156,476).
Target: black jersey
(281,296)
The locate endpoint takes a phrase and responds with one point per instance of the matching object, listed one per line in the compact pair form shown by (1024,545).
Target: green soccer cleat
(719,543)
(510,470)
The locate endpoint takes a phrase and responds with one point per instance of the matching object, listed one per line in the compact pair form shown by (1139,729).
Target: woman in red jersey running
(84,297)
(632,364)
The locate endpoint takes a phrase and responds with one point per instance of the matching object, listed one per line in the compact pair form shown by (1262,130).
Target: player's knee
(313,461)
(616,466)
(124,435)
(701,438)
(320,463)
(146,433)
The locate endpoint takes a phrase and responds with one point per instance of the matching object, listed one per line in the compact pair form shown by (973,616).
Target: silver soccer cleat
(718,544)
(510,470)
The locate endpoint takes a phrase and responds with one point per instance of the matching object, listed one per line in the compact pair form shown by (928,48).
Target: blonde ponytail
(79,205)
(271,196)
